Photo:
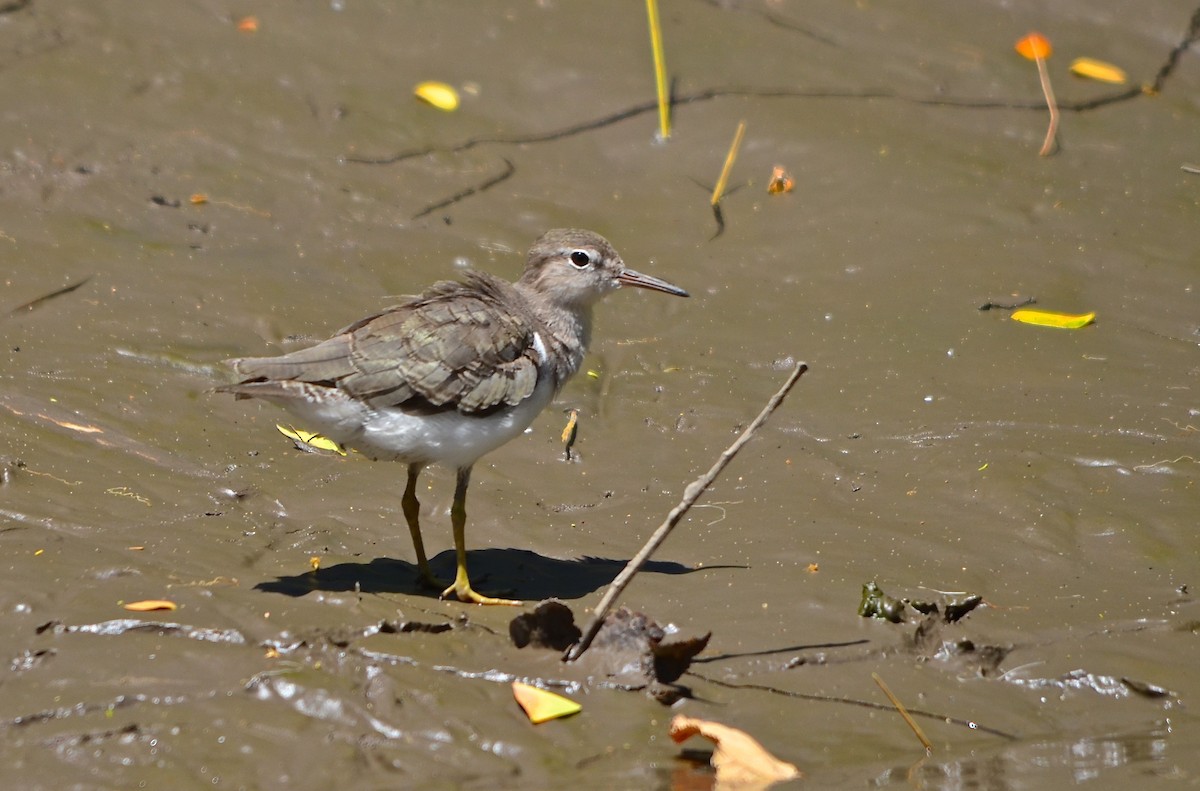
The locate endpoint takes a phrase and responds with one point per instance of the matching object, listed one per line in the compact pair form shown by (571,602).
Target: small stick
(928,745)
(729,160)
(690,495)
(1044,75)
(660,71)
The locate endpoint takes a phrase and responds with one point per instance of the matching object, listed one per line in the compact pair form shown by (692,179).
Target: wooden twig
(1048,145)
(690,495)
(723,179)
(660,71)
(928,745)
(730,158)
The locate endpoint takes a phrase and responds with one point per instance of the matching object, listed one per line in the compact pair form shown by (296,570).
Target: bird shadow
(505,572)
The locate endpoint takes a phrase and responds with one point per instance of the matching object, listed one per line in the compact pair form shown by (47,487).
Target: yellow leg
(458,517)
(412,511)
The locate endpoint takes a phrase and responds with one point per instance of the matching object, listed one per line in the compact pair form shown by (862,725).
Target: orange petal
(740,761)
(146,605)
(540,705)
(1034,46)
(248,24)
(781,181)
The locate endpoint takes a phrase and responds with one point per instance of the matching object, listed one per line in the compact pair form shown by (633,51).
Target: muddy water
(932,447)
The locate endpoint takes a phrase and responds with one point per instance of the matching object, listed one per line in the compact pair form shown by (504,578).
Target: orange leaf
(1034,46)
(540,705)
(781,181)
(150,604)
(740,761)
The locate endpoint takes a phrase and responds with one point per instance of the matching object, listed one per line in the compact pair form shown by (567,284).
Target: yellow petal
(1098,70)
(310,438)
(540,705)
(439,94)
(1044,318)
(147,605)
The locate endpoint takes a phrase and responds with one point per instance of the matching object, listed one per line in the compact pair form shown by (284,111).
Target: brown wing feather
(469,345)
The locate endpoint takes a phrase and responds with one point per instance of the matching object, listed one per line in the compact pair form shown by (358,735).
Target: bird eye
(580,259)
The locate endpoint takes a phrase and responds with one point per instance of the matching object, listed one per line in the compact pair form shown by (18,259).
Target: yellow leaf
(150,604)
(439,94)
(540,705)
(310,438)
(1098,70)
(740,761)
(315,562)
(1044,318)
(568,433)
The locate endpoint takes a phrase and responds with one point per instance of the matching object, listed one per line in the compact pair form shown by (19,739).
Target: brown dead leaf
(740,761)
(551,625)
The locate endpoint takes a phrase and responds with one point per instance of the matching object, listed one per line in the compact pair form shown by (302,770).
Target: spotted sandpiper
(452,374)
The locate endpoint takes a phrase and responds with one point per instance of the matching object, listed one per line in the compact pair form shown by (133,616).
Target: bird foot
(466,593)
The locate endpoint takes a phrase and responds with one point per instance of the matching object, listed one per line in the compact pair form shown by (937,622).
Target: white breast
(390,434)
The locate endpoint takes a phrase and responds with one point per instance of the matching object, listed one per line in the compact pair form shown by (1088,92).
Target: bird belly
(450,437)
(391,434)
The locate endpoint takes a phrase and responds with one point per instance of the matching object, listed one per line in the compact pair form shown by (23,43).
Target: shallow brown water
(932,447)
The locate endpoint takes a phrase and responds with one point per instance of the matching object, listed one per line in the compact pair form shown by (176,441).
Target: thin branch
(690,495)
(1048,145)
(928,745)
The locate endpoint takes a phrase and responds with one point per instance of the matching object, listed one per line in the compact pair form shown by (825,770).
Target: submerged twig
(990,305)
(690,495)
(34,304)
(509,169)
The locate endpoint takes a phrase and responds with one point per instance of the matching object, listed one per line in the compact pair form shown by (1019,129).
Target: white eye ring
(580,259)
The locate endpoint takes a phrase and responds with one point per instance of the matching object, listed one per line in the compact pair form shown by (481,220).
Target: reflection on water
(1041,763)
